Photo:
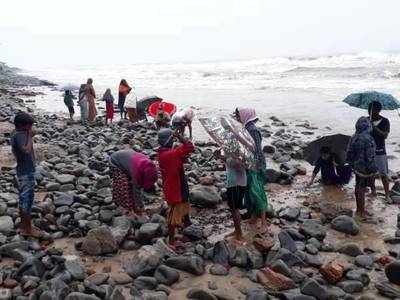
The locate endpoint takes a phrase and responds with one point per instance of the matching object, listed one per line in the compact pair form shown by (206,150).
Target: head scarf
(108,97)
(363,125)
(247,115)
(165,137)
(23,121)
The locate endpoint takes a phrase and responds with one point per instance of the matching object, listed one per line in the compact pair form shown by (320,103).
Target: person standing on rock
(255,197)
(109,100)
(69,102)
(91,96)
(22,148)
(83,104)
(380,132)
(131,172)
(361,156)
(175,185)
(123,90)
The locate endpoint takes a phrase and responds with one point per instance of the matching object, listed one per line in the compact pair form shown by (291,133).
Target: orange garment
(91,95)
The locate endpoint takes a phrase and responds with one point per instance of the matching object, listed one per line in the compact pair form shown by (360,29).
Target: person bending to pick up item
(131,173)
(332,172)
(22,148)
(181,119)
(175,185)
(361,156)
(380,132)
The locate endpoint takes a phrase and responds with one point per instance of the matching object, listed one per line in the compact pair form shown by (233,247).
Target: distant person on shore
(91,96)
(255,196)
(175,185)
(69,102)
(236,183)
(83,104)
(123,90)
(361,156)
(183,118)
(333,172)
(380,132)
(130,106)
(131,173)
(22,148)
(109,100)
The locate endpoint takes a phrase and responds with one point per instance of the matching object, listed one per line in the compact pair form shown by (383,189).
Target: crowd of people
(134,173)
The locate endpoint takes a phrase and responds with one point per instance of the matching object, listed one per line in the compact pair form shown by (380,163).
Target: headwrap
(165,137)
(23,121)
(247,115)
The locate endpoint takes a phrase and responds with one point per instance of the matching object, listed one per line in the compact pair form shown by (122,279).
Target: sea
(294,89)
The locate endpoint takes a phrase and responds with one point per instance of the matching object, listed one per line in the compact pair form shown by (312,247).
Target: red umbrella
(167,107)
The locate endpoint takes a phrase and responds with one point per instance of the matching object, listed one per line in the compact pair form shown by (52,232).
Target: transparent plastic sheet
(231,137)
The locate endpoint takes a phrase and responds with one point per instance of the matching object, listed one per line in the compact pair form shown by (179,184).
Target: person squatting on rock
(131,173)
(22,148)
(380,132)
(255,197)
(361,156)
(175,185)
(181,119)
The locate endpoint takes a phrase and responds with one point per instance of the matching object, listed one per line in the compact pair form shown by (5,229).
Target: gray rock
(149,231)
(193,232)
(288,257)
(32,266)
(199,294)
(144,262)
(311,249)
(221,253)
(75,268)
(145,283)
(287,242)
(257,294)
(103,182)
(166,275)
(52,186)
(106,216)
(364,261)
(99,241)
(149,295)
(81,296)
(6,225)
(350,249)
(191,263)
(351,286)
(290,213)
(392,271)
(63,199)
(5,294)
(291,296)
(65,178)
(205,196)
(387,289)
(117,295)
(218,270)
(240,258)
(346,225)
(312,288)
(359,275)
(313,228)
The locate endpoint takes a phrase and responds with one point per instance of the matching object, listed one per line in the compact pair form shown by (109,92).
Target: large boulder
(205,196)
(99,241)
(189,263)
(144,262)
(346,225)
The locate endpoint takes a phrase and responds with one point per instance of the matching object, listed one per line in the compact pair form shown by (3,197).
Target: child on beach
(69,102)
(109,100)
(22,148)
(236,182)
(361,156)
(175,185)
(332,171)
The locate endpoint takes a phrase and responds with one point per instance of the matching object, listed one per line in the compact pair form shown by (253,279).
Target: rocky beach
(92,251)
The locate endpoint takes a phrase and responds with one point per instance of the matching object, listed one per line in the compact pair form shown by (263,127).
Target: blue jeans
(26,187)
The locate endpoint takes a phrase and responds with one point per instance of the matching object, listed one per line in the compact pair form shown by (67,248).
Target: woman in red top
(175,186)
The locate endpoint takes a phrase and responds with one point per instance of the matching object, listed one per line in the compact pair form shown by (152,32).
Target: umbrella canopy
(337,143)
(144,103)
(362,100)
(169,108)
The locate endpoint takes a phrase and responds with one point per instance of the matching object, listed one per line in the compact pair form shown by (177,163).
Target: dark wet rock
(218,270)
(295,234)
(256,260)
(286,241)
(387,289)
(392,240)
(392,271)
(240,258)
(359,275)
(119,278)
(288,257)
(117,295)
(166,275)
(350,249)
(81,296)
(290,213)
(145,283)
(257,294)
(190,263)
(144,262)
(99,241)
(313,228)
(193,232)
(346,225)
(75,268)
(63,199)
(364,261)
(281,267)
(65,178)
(32,266)
(205,196)
(351,286)
(91,288)
(312,288)
(269,149)
(149,231)
(200,294)
(221,253)
(6,225)
(98,278)
(311,249)
(130,245)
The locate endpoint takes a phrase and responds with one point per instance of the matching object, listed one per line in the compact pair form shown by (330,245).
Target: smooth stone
(6,225)
(191,263)
(392,271)
(286,241)
(346,225)
(199,294)
(166,275)
(364,261)
(313,228)
(218,270)
(145,261)
(75,268)
(120,278)
(360,275)
(145,283)
(149,231)
(387,289)
(350,249)
(205,196)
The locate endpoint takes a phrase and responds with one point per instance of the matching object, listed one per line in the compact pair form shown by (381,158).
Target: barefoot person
(175,185)
(131,173)
(22,148)
(255,196)
(380,132)
(109,100)
(83,104)
(90,97)
(361,156)
(236,182)
(183,118)
(123,90)
(69,102)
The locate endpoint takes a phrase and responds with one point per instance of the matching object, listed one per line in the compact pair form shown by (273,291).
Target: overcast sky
(62,32)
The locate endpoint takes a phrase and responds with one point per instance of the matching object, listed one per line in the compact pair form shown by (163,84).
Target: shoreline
(74,192)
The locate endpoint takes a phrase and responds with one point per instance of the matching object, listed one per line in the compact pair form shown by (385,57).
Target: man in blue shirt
(22,148)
